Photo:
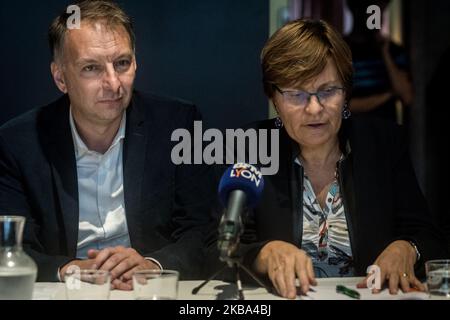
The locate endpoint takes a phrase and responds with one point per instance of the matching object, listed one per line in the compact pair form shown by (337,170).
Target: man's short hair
(108,12)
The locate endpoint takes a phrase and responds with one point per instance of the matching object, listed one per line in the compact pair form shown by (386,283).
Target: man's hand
(121,262)
(283,263)
(396,263)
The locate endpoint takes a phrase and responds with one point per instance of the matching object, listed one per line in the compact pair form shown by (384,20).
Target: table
(218,290)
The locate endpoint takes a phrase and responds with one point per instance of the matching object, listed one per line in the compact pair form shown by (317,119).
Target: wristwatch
(415,249)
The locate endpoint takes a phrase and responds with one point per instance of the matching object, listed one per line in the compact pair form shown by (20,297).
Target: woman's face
(307,121)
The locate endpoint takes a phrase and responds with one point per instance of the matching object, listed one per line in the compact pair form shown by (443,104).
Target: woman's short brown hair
(91,10)
(298,52)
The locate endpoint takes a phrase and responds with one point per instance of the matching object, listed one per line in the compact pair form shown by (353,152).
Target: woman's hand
(283,263)
(396,264)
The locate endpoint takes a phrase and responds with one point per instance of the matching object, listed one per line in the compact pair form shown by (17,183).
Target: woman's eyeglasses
(327,97)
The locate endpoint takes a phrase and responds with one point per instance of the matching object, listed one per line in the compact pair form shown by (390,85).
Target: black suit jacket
(166,205)
(383,201)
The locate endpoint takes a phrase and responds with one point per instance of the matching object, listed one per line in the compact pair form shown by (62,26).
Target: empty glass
(438,278)
(87,284)
(155,285)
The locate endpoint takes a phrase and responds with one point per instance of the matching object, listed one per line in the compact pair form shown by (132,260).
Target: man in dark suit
(92,172)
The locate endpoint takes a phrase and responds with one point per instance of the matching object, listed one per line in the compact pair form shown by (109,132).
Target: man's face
(97,70)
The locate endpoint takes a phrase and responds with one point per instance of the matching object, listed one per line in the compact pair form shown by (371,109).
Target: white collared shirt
(102,219)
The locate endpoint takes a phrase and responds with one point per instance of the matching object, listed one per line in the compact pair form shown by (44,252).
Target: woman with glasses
(345,196)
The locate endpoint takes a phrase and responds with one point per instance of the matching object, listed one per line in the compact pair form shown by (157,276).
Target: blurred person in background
(381,67)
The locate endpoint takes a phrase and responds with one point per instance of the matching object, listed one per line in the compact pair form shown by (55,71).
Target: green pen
(348,292)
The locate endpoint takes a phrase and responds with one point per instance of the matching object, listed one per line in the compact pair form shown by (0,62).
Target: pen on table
(348,292)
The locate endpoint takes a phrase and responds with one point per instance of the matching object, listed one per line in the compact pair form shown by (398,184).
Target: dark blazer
(382,198)
(166,205)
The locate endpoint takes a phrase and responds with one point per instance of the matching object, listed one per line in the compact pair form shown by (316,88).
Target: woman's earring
(278,123)
(346,113)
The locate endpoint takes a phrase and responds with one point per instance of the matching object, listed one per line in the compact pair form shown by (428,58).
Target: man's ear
(58,77)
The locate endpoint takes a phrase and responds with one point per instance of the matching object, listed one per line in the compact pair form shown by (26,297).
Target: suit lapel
(359,174)
(134,155)
(295,176)
(285,213)
(355,180)
(64,171)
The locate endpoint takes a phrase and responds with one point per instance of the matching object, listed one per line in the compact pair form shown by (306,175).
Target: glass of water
(87,284)
(155,284)
(438,278)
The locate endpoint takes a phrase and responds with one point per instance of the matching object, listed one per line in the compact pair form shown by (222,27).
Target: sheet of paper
(326,290)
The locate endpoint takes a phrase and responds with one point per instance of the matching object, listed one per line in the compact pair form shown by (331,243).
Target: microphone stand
(230,229)
(235,263)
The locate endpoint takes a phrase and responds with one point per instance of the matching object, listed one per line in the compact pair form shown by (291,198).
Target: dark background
(427,25)
(203,51)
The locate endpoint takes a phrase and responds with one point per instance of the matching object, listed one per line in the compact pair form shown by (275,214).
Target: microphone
(240,187)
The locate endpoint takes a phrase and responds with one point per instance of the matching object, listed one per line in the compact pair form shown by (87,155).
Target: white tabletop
(218,290)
